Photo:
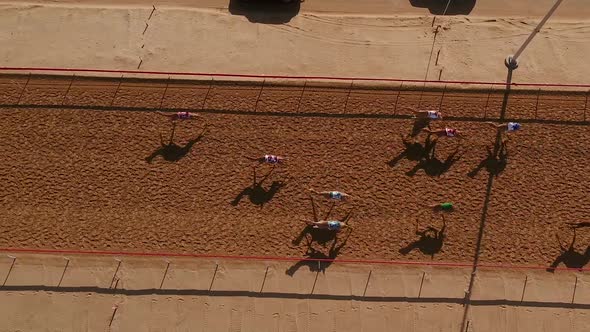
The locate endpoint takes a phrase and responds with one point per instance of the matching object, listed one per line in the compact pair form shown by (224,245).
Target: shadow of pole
(506,95)
(291,295)
(484,213)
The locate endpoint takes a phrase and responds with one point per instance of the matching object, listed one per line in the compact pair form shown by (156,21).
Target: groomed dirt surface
(81,170)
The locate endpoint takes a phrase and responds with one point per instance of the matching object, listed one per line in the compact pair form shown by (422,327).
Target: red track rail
(277,259)
(319,78)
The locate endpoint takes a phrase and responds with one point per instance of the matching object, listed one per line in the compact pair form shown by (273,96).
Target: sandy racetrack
(79,176)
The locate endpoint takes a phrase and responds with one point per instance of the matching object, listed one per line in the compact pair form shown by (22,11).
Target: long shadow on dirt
(495,162)
(265,11)
(413,150)
(433,166)
(570,257)
(256,192)
(313,255)
(437,7)
(173,152)
(430,241)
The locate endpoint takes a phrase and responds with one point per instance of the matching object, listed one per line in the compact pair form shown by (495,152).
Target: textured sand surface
(76,176)
(402,44)
(505,8)
(41,293)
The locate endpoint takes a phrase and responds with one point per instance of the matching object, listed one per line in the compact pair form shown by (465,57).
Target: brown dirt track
(75,174)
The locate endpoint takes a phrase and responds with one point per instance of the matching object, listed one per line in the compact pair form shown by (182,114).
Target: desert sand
(400,44)
(499,8)
(88,165)
(41,292)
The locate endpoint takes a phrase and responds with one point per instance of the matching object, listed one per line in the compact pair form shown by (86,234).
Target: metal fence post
(259,94)
(164,94)
(207,94)
(348,95)
(23,90)
(63,101)
(442,98)
(586,104)
(537,104)
(301,96)
(116,91)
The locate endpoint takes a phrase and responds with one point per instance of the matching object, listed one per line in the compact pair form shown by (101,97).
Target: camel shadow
(257,194)
(570,257)
(430,241)
(419,124)
(319,236)
(413,151)
(173,152)
(313,255)
(433,166)
(495,162)
(265,11)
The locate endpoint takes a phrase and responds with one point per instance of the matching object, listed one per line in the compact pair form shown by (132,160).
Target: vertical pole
(301,96)
(367,284)
(115,307)
(537,104)
(165,273)
(524,288)
(63,101)
(505,98)
(575,287)
(512,61)
(213,279)
(116,91)
(264,280)
(9,270)
(586,104)
(316,277)
(421,283)
(64,271)
(348,96)
(259,94)
(116,283)
(537,30)
(442,98)
(207,94)
(115,274)
(421,94)
(164,94)
(24,88)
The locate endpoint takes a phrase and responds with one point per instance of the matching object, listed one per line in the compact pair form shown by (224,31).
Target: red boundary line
(115,71)
(278,258)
